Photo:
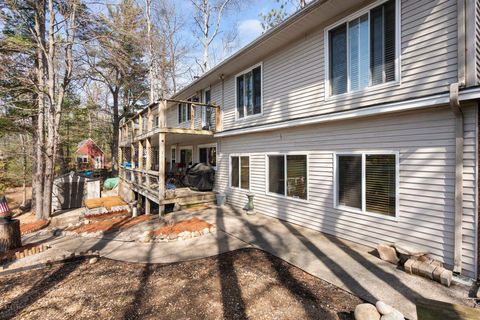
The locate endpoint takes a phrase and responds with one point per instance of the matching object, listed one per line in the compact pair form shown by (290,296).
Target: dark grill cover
(200,177)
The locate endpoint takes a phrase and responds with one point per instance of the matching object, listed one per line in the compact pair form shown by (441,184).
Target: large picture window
(249,93)
(240,172)
(363,51)
(368,182)
(287,175)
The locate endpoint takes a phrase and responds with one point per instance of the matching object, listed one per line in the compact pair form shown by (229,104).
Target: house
(89,155)
(354,118)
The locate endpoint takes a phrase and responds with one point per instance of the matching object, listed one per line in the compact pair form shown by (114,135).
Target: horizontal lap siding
(294,77)
(426,144)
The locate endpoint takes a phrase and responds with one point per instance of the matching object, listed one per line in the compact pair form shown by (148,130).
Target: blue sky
(246,22)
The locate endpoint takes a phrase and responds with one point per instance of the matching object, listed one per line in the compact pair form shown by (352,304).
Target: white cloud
(248,30)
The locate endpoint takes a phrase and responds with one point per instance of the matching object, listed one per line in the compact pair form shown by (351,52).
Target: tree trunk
(24,171)
(34,148)
(39,159)
(10,237)
(116,126)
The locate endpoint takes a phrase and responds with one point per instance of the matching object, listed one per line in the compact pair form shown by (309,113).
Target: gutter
(457,111)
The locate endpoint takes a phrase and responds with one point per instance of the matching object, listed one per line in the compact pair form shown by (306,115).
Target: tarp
(200,177)
(111,183)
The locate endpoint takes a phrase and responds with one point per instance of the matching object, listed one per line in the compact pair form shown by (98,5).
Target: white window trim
(206,145)
(186,109)
(267,172)
(183,106)
(398,44)
(180,148)
(239,171)
(237,118)
(363,211)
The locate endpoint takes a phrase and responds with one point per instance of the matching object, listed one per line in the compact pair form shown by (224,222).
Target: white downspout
(457,111)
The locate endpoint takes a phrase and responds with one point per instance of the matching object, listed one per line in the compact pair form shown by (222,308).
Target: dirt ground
(14,199)
(243,284)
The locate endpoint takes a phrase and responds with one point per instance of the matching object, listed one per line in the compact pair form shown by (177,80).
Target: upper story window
(362,51)
(249,92)
(185,110)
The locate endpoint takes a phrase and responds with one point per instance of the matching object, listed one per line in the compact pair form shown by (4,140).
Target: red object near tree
(89,155)
(5,211)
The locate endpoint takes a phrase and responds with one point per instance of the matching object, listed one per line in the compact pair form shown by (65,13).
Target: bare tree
(114,56)
(61,35)
(208,18)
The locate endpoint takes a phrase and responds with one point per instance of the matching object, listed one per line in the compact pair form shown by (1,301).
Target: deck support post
(161,154)
(147,205)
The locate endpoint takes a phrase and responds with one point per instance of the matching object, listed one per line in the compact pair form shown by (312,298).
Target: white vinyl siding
(294,77)
(425,141)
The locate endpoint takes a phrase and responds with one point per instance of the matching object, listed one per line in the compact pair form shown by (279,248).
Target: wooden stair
(187,198)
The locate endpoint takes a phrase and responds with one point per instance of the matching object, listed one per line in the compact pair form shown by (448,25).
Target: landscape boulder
(387,253)
(383,308)
(366,311)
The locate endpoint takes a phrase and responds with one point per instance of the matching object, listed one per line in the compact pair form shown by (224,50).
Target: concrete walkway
(343,263)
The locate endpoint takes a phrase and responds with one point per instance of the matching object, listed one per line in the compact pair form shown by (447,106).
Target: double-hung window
(362,52)
(287,175)
(249,93)
(184,112)
(240,172)
(206,110)
(368,182)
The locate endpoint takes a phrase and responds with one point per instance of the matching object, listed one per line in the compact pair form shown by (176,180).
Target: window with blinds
(377,173)
(380,184)
(240,172)
(249,93)
(362,52)
(234,172)
(350,181)
(287,175)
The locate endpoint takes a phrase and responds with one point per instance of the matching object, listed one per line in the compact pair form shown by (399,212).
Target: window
(249,93)
(363,51)
(206,111)
(287,175)
(208,155)
(240,172)
(173,157)
(184,112)
(368,182)
(82,159)
(186,156)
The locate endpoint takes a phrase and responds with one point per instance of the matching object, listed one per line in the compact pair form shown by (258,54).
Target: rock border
(185,235)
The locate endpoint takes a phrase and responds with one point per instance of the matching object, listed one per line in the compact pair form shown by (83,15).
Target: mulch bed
(190,225)
(113,224)
(243,284)
(107,215)
(27,228)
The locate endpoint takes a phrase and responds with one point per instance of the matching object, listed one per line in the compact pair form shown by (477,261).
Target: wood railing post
(192,118)
(217,119)
(161,171)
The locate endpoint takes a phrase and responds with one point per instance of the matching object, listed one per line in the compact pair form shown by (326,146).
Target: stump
(10,236)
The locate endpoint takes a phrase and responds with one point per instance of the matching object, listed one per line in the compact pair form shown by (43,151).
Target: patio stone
(387,253)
